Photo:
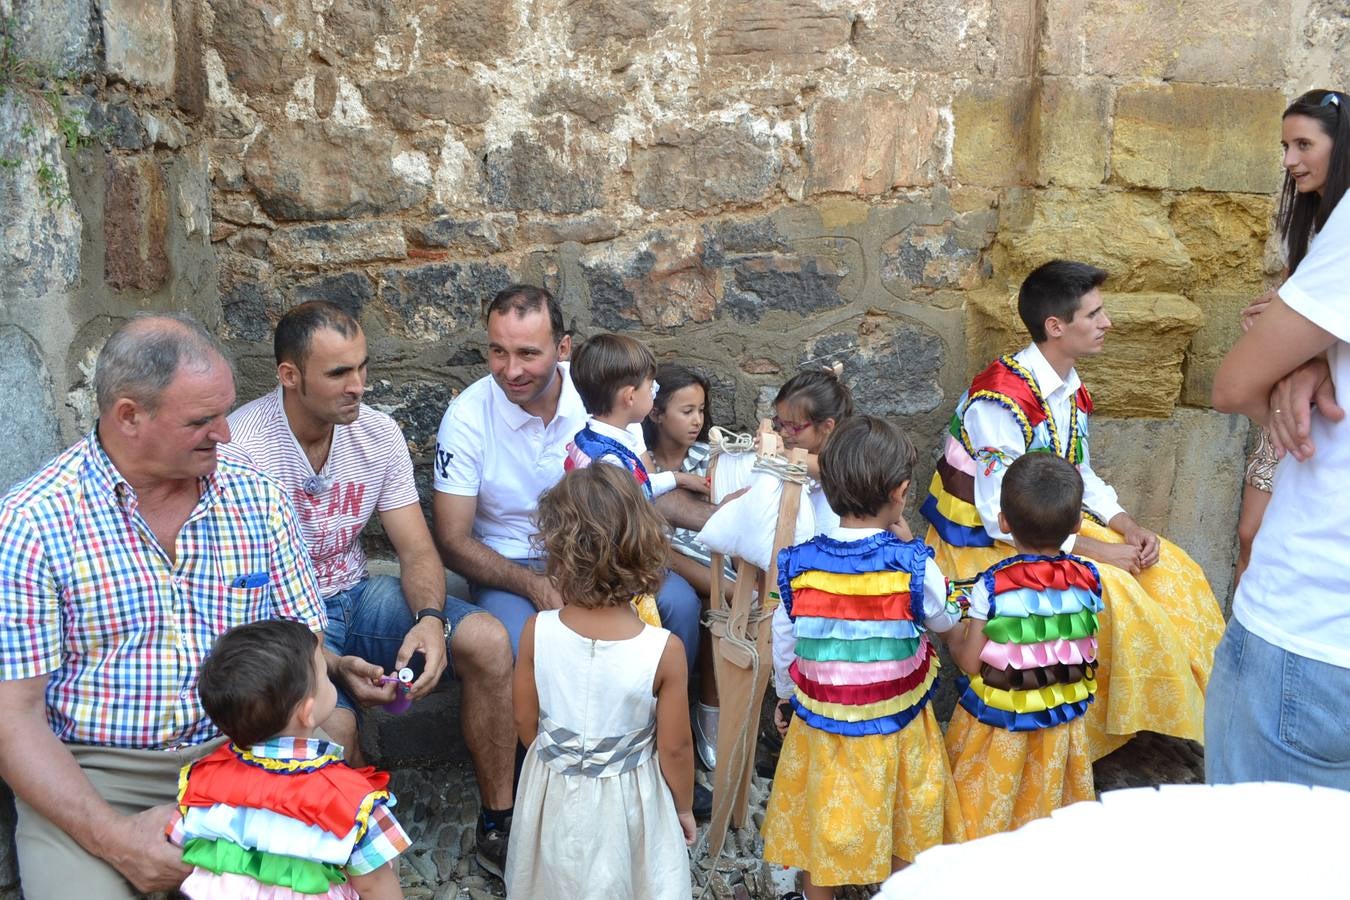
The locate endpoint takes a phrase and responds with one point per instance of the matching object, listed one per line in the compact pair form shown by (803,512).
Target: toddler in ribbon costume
(1018,741)
(863,783)
(275,812)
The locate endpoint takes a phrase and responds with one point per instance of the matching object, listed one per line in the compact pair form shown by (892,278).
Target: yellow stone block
(1188,136)
(995,127)
(1128,234)
(1139,374)
(1073,137)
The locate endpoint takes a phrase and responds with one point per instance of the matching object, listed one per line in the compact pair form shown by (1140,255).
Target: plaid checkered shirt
(89,598)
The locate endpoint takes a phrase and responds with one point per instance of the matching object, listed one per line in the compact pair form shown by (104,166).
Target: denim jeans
(677,602)
(371,619)
(1272,715)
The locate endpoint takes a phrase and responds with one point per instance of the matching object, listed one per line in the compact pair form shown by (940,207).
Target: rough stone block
(694,169)
(1326,29)
(1212,341)
(1181,476)
(584,230)
(138,41)
(818,274)
(39,238)
(995,127)
(478,235)
(949,255)
(417,406)
(261,44)
(1188,136)
(469,30)
(310,170)
(447,95)
(990,38)
(1228,41)
(440,300)
(1073,137)
(659,282)
(545,172)
(1128,234)
(249,301)
(614,24)
(28,435)
(873,143)
(1139,373)
(135,224)
(337,243)
(591,102)
(58,34)
(787,35)
(349,291)
(1225,236)
(891,363)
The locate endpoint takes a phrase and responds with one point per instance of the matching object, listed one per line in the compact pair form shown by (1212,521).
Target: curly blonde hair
(604,541)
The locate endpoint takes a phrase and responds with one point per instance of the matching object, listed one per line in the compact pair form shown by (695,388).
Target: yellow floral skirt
(1005,779)
(841,806)
(1156,640)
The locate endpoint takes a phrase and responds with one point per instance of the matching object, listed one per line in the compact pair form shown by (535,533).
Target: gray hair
(144,355)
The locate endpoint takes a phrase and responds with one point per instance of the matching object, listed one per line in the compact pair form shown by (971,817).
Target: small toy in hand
(402,699)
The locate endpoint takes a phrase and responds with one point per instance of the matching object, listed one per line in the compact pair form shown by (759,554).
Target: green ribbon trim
(864,650)
(303,876)
(1034,629)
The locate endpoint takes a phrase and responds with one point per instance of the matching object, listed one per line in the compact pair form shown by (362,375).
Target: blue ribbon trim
(1011,721)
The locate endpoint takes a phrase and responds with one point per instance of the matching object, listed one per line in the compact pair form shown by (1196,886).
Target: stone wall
(750,186)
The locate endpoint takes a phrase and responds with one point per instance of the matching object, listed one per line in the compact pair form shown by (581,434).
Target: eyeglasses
(791,429)
(1331,99)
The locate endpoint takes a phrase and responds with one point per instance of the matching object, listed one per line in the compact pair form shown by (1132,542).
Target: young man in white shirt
(502,443)
(1162,622)
(342,462)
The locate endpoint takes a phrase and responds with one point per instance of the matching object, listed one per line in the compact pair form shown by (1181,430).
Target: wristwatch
(432,613)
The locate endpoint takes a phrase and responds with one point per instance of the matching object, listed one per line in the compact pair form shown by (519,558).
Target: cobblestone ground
(438,805)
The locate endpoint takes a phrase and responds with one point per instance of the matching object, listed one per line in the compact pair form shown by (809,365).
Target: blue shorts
(371,619)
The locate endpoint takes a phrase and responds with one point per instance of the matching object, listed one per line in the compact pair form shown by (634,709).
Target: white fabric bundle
(745,526)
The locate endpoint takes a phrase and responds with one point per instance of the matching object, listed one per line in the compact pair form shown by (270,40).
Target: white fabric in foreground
(1232,840)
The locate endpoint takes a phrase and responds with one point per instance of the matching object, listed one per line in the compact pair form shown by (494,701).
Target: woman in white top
(1279,698)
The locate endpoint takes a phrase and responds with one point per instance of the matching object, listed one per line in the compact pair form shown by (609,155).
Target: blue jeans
(371,619)
(1272,715)
(677,602)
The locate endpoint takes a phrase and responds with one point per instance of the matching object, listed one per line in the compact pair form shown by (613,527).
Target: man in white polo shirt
(502,443)
(342,462)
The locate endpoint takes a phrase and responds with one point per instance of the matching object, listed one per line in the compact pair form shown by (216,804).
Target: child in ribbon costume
(863,784)
(276,813)
(1018,740)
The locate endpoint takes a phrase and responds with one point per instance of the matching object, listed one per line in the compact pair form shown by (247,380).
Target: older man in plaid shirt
(120,563)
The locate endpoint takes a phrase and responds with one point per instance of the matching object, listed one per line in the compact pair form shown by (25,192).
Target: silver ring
(1274,412)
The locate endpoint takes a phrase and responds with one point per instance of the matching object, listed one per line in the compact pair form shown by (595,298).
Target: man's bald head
(142,357)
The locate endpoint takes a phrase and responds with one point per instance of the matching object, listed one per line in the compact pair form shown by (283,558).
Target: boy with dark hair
(278,807)
(615,376)
(1165,622)
(1018,742)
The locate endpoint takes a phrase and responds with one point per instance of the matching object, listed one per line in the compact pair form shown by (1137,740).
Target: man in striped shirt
(121,561)
(342,462)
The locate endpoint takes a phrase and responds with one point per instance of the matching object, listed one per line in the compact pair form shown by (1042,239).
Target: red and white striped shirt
(368,470)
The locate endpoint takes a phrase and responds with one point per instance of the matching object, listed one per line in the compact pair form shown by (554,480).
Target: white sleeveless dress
(593,816)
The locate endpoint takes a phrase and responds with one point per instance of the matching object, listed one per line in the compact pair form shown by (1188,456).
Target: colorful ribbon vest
(1038,668)
(864,662)
(950,507)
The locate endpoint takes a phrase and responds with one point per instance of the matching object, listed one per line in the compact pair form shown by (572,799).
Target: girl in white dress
(604,806)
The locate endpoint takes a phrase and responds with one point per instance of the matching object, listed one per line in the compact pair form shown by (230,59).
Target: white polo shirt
(490,448)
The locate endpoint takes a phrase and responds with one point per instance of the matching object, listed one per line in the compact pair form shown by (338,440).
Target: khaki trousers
(52,866)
